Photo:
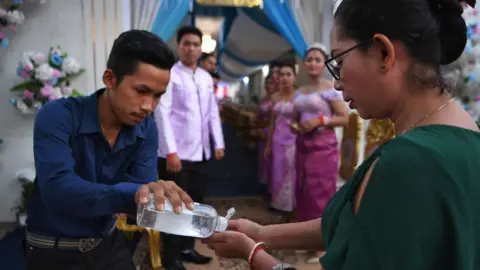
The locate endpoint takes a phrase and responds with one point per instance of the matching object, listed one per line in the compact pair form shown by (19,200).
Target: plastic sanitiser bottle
(201,222)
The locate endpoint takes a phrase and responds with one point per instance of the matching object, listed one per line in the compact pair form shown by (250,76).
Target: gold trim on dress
(379,131)
(232,3)
(350,147)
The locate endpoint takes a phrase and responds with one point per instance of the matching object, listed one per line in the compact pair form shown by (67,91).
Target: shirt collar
(187,69)
(91,123)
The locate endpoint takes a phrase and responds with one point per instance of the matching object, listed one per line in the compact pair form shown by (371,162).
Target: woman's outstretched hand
(230,244)
(247,227)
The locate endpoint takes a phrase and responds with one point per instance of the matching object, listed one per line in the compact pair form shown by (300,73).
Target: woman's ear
(387,51)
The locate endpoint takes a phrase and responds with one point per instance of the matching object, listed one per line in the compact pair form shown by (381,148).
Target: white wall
(86,30)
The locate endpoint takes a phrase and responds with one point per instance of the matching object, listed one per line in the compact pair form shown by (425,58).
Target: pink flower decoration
(47,91)
(2,35)
(27,94)
(52,97)
(56,73)
(25,74)
(39,58)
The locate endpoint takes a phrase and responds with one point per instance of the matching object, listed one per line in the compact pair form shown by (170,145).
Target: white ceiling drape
(144,12)
(309,17)
(314,18)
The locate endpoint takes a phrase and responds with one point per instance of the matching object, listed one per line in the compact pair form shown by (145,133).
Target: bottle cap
(222,224)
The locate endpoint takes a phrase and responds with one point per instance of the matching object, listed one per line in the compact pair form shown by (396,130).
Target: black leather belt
(82,244)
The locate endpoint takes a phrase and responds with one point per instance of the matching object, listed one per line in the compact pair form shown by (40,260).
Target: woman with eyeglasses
(280,147)
(319,109)
(413,204)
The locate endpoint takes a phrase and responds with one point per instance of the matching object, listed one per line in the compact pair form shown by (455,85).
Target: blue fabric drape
(169,16)
(282,17)
(276,17)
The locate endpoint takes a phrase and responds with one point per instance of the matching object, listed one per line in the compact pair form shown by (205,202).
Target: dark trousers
(112,254)
(193,179)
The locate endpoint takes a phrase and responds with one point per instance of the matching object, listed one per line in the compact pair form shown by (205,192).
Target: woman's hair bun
(452,30)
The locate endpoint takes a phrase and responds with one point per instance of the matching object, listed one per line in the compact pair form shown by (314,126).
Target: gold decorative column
(153,239)
(350,147)
(379,131)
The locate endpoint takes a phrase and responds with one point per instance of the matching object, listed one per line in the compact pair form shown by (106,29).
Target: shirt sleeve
(166,140)
(60,187)
(407,216)
(215,123)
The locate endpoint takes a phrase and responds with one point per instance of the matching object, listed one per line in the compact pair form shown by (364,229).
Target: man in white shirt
(186,117)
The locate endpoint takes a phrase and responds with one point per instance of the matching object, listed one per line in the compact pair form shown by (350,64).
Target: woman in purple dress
(281,144)
(319,109)
(264,108)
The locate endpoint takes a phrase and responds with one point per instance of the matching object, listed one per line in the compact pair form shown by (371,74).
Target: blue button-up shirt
(81,180)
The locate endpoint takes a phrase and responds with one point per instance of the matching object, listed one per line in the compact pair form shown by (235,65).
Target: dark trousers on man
(112,253)
(193,179)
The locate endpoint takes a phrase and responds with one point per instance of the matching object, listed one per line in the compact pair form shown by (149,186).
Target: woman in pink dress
(319,109)
(281,144)
(264,108)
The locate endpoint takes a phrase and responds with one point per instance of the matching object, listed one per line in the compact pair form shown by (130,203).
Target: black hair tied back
(452,30)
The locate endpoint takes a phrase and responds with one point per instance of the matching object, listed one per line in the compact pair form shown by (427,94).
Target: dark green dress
(420,209)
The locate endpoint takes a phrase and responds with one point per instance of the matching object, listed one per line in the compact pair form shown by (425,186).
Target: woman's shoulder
(440,141)
(429,156)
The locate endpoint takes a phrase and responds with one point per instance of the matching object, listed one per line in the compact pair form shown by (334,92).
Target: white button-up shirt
(187,115)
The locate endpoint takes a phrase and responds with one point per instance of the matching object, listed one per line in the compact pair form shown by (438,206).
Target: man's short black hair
(138,46)
(188,30)
(274,64)
(206,55)
(215,75)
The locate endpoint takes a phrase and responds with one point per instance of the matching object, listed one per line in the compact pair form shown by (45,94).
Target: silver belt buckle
(88,244)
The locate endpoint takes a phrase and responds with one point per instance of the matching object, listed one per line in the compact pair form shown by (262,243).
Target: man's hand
(219,154)
(162,189)
(174,165)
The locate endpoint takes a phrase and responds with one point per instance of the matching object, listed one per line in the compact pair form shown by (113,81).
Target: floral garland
(11,17)
(465,72)
(47,77)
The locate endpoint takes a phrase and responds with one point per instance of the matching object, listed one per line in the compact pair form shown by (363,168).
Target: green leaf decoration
(75,93)
(28,102)
(33,86)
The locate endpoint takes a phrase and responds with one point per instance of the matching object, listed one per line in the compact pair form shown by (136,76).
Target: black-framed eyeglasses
(332,64)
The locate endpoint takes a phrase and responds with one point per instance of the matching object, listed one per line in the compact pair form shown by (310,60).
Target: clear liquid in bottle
(201,222)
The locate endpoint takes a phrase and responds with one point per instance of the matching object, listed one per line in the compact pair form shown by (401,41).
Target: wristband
(258,246)
(324,120)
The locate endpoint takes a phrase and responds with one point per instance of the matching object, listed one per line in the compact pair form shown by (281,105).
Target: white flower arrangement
(11,17)
(46,78)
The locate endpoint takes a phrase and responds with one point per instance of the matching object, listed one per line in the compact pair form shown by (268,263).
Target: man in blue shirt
(96,156)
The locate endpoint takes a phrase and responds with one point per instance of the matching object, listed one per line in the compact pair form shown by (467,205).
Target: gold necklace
(441,107)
